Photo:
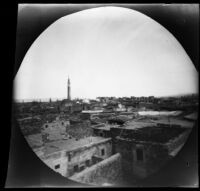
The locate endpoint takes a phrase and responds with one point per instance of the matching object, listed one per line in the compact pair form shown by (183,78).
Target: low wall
(181,139)
(107,171)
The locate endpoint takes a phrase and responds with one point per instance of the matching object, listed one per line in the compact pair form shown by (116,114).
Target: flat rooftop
(104,126)
(192,116)
(146,122)
(159,113)
(34,140)
(173,121)
(152,134)
(138,124)
(91,111)
(72,144)
(141,123)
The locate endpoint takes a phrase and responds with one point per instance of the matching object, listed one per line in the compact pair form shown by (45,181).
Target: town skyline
(77,98)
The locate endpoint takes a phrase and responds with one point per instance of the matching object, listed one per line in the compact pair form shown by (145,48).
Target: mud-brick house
(88,160)
(104,130)
(55,130)
(145,150)
(72,156)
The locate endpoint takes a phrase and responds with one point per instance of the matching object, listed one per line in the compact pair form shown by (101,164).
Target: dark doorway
(102,152)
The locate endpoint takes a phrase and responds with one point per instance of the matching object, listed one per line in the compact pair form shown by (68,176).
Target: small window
(82,168)
(76,168)
(140,156)
(101,134)
(87,162)
(62,123)
(46,126)
(102,152)
(69,157)
(57,166)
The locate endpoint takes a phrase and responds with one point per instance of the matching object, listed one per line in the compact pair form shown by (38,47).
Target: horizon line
(61,98)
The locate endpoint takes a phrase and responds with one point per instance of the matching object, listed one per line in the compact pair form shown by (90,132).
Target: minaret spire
(68,89)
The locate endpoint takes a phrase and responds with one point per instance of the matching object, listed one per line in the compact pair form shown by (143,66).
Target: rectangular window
(69,157)
(76,168)
(57,166)
(140,156)
(82,168)
(102,152)
(87,162)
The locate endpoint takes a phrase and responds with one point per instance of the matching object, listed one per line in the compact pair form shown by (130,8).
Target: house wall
(153,156)
(85,116)
(60,159)
(55,130)
(125,148)
(80,157)
(102,133)
(77,157)
(181,139)
(106,171)
(157,155)
(115,132)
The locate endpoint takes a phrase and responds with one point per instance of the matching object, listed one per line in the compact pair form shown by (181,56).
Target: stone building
(90,114)
(146,150)
(71,156)
(68,106)
(105,173)
(104,130)
(144,146)
(55,130)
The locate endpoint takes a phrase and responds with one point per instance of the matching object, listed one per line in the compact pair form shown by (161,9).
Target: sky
(107,51)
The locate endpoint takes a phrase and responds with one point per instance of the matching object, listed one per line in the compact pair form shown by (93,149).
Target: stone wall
(54,131)
(105,172)
(181,139)
(153,156)
(57,162)
(81,156)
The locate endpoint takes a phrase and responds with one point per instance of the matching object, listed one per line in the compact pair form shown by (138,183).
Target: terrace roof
(72,144)
(152,134)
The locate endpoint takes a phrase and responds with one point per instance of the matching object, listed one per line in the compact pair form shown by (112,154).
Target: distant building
(71,106)
(66,106)
(54,131)
(147,105)
(103,130)
(89,114)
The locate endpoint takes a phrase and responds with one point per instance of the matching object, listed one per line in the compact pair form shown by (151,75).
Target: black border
(19,148)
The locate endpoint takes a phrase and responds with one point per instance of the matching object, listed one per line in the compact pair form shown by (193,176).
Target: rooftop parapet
(72,144)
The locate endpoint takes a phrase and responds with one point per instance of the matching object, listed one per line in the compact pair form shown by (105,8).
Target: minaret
(68,90)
